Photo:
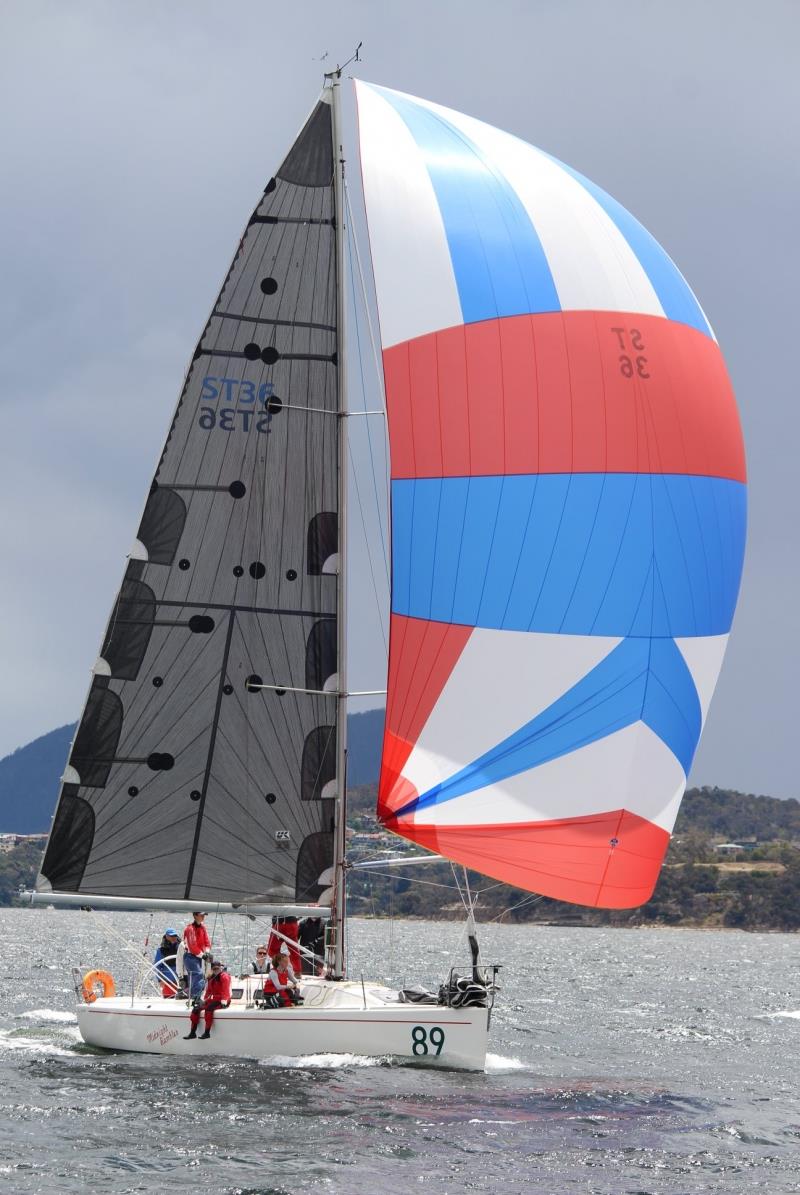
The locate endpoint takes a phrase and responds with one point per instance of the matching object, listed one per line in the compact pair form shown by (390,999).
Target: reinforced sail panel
(201,768)
(568,509)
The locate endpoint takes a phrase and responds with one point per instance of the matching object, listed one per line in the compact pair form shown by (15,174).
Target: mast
(336,951)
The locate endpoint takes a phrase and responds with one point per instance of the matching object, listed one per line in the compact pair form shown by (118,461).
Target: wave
(496,1063)
(12,1039)
(53,1016)
(322,1061)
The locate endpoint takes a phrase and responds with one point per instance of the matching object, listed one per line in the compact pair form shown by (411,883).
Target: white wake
(321,1061)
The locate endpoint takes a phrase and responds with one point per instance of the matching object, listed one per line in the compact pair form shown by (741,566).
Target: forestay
(568,509)
(190,778)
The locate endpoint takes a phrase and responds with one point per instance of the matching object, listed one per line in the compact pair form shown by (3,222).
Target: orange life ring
(94,979)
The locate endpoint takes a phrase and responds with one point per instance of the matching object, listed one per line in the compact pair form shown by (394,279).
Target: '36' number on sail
(420,1040)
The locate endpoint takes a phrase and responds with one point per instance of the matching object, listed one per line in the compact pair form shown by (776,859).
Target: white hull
(336,1018)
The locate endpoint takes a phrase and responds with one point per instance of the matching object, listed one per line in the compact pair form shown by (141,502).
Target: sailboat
(567,534)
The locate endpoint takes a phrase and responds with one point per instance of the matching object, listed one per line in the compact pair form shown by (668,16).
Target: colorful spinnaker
(568,509)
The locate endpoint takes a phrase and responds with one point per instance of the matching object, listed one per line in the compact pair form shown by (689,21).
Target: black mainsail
(204,767)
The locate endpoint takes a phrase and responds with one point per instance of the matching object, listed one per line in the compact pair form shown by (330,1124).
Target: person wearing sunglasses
(262,961)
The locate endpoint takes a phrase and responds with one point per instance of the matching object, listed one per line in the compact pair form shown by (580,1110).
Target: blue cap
(171,933)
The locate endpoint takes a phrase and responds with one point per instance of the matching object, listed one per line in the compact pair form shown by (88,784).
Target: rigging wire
(531,899)
(350,244)
(364,297)
(458,886)
(356,487)
(107,926)
(393,875)
(376,356)
(391,928)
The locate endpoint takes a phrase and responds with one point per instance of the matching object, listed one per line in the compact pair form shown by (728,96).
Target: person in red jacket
(286,927)
(281,981)
(217,995)
(197,944)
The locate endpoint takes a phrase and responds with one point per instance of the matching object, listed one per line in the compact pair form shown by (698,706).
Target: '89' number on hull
(422,1038)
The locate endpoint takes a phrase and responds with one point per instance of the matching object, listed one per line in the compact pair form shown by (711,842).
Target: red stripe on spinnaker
(607,860)
(562,392)
(422,655)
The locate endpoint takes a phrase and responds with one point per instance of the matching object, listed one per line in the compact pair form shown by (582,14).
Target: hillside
(29,782)
(758,889)
(29,777)
(722,814)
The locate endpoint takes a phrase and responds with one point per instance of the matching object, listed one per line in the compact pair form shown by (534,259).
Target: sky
(135,139)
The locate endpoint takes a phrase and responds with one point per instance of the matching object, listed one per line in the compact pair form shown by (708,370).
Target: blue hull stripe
(499,264)
(639,681)
(674,293)
(618,554)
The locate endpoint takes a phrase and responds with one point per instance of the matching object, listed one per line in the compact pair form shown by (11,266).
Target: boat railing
(150,976)
(474,989)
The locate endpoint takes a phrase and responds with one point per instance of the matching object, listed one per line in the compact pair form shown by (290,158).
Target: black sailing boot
(205,1036)
(191,1035)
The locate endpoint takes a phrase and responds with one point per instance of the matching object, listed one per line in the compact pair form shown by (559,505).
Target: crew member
(217,995)
(311,934)
(282,982)
(283,928)
(198,947)
(165,959)
(262,961)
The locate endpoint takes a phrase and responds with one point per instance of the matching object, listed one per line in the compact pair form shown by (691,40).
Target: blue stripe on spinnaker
(499,264)
(672,289)
(619,554)
(639,681)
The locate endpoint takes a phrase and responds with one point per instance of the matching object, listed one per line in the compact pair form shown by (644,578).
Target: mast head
(337,74)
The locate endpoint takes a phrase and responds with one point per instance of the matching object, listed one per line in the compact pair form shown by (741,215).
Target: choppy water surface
(622,1062)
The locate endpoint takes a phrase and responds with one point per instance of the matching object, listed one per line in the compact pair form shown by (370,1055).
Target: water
(623,1062)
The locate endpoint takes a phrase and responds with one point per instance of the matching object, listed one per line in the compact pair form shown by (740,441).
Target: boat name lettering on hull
(162,1035)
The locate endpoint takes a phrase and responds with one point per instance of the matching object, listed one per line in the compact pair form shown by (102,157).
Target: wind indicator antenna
(356,57)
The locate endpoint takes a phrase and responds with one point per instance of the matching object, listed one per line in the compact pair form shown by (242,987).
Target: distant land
(733,863)
(29,776)
(734,860)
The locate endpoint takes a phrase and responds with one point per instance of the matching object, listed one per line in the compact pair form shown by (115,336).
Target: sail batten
(186,780)
(568,509)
